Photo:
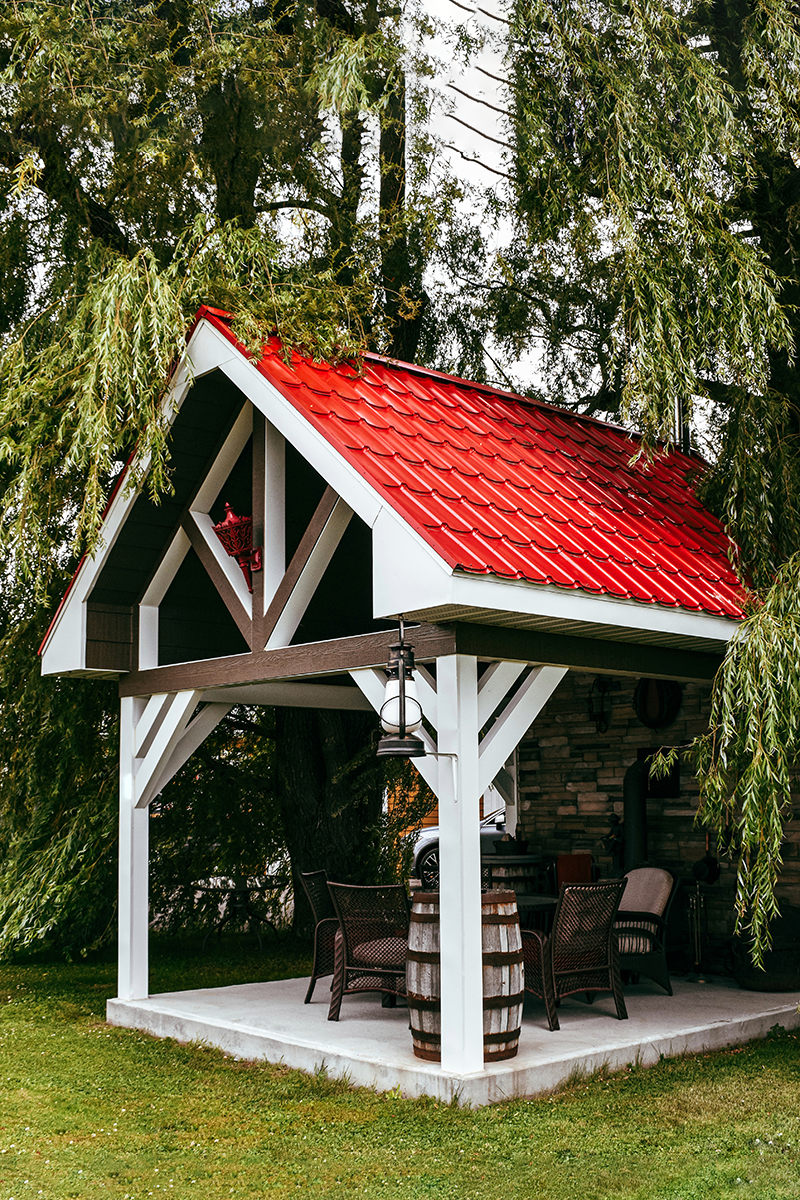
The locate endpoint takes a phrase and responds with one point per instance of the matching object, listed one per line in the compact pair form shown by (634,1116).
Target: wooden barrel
(502,976)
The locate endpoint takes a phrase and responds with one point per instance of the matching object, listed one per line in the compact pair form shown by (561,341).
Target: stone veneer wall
(570,782)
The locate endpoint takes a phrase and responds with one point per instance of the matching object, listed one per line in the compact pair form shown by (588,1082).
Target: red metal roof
(501,485)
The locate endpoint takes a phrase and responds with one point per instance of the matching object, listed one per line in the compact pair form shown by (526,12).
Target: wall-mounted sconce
(601,713)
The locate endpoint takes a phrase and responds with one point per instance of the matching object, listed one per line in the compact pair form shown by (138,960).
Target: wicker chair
(315,884)
(580,954)
(641,924)
(371,949)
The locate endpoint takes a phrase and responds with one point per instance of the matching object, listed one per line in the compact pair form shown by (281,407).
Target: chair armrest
(325,931)
(533,943)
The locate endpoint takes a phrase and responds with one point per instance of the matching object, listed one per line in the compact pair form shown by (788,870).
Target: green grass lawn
(87,1111)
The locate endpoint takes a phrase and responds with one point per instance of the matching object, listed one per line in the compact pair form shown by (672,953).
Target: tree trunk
(330,792)
(401,270)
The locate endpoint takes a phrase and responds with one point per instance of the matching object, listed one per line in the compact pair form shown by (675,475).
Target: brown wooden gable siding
(110,636)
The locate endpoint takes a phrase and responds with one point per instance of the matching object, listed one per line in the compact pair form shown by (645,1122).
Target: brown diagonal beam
(289,662)
(218,576)
(299,560)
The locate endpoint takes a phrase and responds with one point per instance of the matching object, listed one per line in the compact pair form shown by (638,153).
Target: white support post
(274,553)
(134,863)
(148,636)
(460,865)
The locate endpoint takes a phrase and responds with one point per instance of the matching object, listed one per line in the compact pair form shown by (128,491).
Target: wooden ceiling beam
(586,654)
(305,661)
(340,655)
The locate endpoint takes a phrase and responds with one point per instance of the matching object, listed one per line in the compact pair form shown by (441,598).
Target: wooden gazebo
(519,540)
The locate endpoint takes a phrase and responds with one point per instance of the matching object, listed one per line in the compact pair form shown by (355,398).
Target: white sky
(475,157)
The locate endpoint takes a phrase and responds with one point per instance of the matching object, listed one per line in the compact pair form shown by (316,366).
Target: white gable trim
(64,649)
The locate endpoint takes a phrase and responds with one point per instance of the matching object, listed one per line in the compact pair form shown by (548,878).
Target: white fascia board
(408,575)
(345,480)
(543,600)
(65,649)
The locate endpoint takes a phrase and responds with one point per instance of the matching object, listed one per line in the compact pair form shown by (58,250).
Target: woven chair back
(648,890)
(315,884)
(583,922)
(372,921)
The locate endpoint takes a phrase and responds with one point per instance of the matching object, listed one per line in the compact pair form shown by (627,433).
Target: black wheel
(429,869)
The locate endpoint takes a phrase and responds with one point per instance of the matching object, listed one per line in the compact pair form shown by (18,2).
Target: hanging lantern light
(401,711)
(236,535)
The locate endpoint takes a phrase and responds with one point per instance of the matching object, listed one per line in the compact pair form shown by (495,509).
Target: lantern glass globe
(390,709)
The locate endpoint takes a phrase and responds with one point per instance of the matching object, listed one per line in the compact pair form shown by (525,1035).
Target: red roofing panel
(501,485)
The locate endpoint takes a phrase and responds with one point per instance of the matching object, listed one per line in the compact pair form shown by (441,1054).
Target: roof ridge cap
(493,389)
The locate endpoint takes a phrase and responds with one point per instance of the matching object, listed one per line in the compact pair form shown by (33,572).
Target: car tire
(428,869)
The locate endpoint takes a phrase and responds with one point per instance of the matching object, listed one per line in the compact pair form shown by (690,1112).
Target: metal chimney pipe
(634,801)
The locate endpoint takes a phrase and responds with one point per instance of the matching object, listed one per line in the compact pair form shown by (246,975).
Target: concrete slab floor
(371,1046)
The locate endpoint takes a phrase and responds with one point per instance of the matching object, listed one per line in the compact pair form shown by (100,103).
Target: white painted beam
(426,690)
(227,565)
(274,551)
(308,581)
(167,570)
(193,736)
(149,768)
(148,722)
(494,684)
(515,719)
(225,461)
(372,682)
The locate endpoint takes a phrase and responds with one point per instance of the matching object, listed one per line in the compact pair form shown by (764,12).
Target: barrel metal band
(424,1003)
(424,956)
(508,1035)
(500,918)
(420,918)
(502,958)
(424,1036)
(428,1055)
(503,1001)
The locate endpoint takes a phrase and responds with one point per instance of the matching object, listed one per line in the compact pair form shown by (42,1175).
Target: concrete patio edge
(542,1068)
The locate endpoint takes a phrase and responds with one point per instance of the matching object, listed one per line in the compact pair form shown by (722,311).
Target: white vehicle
(426,851)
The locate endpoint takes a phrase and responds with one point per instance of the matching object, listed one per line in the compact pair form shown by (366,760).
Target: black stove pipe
(634,801)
